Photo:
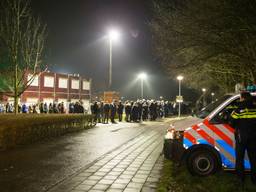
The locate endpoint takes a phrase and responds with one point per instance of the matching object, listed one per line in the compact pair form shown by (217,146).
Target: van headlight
(171,134)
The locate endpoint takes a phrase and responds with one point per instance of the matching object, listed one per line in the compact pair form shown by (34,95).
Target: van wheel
(202,163)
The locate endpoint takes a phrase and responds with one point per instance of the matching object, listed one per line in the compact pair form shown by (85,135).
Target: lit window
(75,84)
(63,83)
(35,80)
(48,81)
(86,85)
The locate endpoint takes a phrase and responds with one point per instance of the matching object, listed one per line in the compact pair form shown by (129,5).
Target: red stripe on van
(232,130)
(218,132)
(203,134)
(190,137)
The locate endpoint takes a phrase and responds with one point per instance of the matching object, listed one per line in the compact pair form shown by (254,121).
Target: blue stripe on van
(231,151)
(226,162)
(203,141)
(227,147)
(187,143)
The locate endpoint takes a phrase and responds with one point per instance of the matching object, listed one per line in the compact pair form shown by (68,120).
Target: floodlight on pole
(204,101)
(113,35)
(212,94)
(142,77)
(180,78)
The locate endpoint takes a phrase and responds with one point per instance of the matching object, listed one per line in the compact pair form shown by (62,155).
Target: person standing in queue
(135,112)
(140,109)
(127,109)
(145,111)
(106,109)
(120,109)
(95,111)
(243,119)
(113,111)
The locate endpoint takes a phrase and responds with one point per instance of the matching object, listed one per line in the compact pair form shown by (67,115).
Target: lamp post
(112,35)
(180,78)
(142,76)
(204,102)
(212,94)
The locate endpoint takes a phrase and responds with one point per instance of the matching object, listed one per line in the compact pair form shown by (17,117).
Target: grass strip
(178,179)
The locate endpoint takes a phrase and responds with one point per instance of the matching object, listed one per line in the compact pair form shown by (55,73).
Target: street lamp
(212,94)
(112,35)
(204,102)
(180,78)
(142,77)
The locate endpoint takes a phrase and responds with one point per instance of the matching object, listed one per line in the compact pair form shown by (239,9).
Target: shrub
(29,128)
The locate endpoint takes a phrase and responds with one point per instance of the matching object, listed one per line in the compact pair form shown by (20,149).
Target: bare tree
(22,36)
(213,42)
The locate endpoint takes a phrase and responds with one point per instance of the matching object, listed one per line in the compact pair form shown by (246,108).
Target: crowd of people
(44,108)
(135,111)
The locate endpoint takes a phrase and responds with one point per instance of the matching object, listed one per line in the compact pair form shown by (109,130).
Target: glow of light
(203,89)
(113,34)
(180,78)
(143,76)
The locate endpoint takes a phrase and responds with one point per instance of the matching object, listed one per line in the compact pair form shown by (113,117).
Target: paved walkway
(135,166)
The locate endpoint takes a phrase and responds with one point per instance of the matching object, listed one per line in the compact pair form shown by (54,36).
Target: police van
(205,143)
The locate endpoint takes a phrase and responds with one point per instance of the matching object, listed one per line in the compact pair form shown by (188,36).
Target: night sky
(76,43)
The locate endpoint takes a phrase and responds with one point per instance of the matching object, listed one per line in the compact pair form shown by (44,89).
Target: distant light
(114,34)
(212,94)
(180,78)
(143,76)
(203,89)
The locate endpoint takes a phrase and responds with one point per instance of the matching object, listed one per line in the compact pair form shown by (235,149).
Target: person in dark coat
(135,112)
(140,108)
(24,108)
(120,109)
(106,109)
(45,108)
(127,109)
(41,108)
(71,108)
(243,119)
(153,110)
(113,111)
(101,112)
(95,111)
(166,109)
(50,108)
(144,111)
(80,107)
(55,108)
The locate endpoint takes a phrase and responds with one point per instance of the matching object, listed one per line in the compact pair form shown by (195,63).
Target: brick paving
(135,166)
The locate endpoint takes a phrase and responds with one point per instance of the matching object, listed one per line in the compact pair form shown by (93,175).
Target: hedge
(28,128)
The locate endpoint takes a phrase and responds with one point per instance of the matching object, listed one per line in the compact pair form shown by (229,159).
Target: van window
(223,117)
(209,108)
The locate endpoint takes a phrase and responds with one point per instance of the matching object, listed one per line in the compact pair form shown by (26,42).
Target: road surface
(40,167)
